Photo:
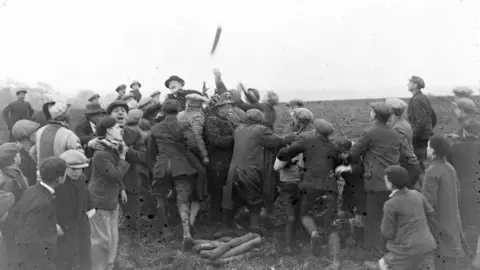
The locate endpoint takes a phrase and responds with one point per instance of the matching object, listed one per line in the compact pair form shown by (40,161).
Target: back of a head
(440,145)
(104,124)
(323,127)
(171,106)
(51,169)
(255,116)
(397,175)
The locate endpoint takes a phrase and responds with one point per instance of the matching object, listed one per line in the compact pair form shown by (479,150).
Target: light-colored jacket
(196,118)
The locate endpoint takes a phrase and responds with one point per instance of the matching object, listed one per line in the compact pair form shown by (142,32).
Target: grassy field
(350,118)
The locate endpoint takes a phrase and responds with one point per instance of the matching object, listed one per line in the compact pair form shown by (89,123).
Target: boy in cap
(24,132)
(35,218)
(135,86)
(408,159)
(410,243)
(318,187)
(73,207)
(17,110)
(441,190)
(121,91)
(422,118)
(290,174)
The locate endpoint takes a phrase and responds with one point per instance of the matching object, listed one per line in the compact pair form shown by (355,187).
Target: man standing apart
(421,117)
(17,110)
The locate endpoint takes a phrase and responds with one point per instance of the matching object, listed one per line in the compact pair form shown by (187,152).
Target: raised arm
(287,153)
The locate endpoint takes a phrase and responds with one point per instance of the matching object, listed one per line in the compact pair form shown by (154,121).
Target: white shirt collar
(393,193)
(48,187)
(93,126)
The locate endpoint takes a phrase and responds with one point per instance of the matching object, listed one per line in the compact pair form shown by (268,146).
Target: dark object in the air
(217,38)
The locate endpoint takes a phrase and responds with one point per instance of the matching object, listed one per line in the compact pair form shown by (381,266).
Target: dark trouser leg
(373,220)
(420,148)
(217,177)
(183,186)
(85,247)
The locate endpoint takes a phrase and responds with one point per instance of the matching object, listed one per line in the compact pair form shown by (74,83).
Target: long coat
(247,165)
(167,152)
(380,148)
(441,190)
(72,204)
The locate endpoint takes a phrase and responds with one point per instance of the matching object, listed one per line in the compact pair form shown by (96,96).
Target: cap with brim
(75,159)
(144,102)
(381,108)
(303,114)
(418,81)
(94,108)
(396,103)
(135,82)
(117,103)
(20,91)
(155,93)
(174,78)
(462,91)
(323,127)
(95,96)
(466,104)
(295,103)
(120,88)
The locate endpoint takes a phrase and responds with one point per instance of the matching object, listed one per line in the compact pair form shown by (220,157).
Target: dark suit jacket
(28,166)
(421,116)
(405,224)
(36,232)
(84,132)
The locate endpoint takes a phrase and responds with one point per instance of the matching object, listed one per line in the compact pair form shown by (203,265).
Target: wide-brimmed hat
(75,159)
(117,103)
(94,96)
(418,81)
(21,90)
(23,129)
(135,82)
(120,88)
(94,108)
(174,78)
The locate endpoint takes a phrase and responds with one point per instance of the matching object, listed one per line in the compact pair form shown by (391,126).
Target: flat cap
(121,87)
(295,103)
(381,108)
(396,103)
(462,91)
(465,104)
(94,96)
(128,96)
(21,90)
(397,175)
(323,127)
(75,159)
(23,129)
(117,103)
(134,115)
(255,115)
(418,81)
(196,97)
(302,114)
(155,93)
(145,102)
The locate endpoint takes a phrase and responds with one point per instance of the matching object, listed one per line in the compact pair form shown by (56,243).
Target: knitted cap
(397,175)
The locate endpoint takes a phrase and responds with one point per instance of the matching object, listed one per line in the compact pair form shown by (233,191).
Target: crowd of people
(410,193)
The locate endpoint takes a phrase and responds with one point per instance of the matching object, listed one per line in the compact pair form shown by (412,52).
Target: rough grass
(350,118)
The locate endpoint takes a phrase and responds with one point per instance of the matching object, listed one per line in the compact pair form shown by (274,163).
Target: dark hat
(121,87)
(440,145)
(94,96)
(397,175)
(171,106)
(295,103)
(323,127)
(94,108)
(418,81)
(135,82)
(22,90)
(255,115)
(174,78)
(117,103)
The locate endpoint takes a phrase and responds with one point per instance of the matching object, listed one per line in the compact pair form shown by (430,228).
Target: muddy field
(350,118)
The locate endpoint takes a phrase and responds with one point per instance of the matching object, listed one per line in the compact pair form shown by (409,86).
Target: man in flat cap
(135,90)
(17,110)
(422,118)
(121,90)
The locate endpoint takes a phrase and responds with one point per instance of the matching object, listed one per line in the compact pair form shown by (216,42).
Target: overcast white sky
(308,48)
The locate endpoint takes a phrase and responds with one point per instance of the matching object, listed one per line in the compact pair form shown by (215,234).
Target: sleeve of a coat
(109,170)
(420,117)
(152,150)
(37,218)
(406,149)
(388,221)
(287,153)
(430,189)
(198,123)
(6,114)
(359,148)
(84,138)
(247,106)
(214,135)
(136,153)
(271,140)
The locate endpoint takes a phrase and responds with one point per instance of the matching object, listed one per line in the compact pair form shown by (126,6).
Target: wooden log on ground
(220,250)
(243,256)
(203,241)
(247,246)
(225,239)
(206,246)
